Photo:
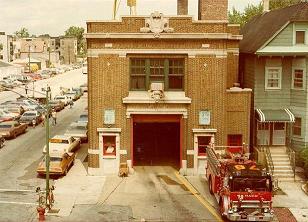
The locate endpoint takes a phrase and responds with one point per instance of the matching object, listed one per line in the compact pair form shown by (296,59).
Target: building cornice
(163,36)
(190,52)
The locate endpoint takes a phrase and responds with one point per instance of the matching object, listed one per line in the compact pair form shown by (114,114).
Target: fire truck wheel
(210,185)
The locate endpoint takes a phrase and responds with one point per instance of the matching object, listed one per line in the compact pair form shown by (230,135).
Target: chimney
(182,7)
(213,10)
(266,5)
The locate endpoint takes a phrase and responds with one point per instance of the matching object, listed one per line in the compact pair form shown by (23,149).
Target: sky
(55,16)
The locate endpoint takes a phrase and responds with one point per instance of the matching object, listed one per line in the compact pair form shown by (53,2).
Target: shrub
(304,160)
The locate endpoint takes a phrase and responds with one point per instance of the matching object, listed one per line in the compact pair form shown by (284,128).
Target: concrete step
(285,179)
(284,176)
(285,162)
(283,167)
(283,172)
(279,155)
(278,159)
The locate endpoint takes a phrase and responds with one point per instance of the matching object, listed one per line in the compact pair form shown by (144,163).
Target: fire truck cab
(242,188)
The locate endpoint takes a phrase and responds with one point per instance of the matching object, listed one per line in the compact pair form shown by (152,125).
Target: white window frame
(305,37)
(304,78)
(266,78)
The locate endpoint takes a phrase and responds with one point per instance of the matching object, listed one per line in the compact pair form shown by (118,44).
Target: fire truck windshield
(246,184)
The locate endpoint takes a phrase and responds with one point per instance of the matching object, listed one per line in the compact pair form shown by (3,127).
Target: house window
(298,78)
(300,37)
(273,78)
(297,127)
(109,145)
(145,71)
(203,143)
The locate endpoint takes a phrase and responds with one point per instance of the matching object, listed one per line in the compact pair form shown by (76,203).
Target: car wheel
(14,135)
(65,172)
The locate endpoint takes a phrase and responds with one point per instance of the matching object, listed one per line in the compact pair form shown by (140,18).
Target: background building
(68,50)
(161,89)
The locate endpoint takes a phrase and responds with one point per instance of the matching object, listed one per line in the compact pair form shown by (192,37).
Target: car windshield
(60,97)
(84,117)
(54,159)
(245,184)
(29,114)
(5,126)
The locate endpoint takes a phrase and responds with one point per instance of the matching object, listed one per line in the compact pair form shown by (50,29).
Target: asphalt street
(20,157)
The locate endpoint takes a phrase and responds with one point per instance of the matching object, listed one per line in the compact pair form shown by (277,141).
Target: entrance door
(263,133)
(279,133)
(156,144)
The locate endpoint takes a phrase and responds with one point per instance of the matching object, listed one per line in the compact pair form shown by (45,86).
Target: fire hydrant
(41,213)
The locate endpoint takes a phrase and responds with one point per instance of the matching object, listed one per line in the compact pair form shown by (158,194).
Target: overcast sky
(55,16)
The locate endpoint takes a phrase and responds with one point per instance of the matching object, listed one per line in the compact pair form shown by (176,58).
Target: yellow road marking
(198,196)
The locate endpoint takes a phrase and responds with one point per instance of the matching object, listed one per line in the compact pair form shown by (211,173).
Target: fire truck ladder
(213,161)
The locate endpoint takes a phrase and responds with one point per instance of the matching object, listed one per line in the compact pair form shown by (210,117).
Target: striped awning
(278,115)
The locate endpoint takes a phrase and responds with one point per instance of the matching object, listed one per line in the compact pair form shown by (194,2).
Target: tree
(238,17)
(22,33)
(45,35)
(77,32)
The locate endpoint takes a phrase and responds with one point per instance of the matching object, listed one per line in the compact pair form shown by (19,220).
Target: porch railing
(291,154)
(269,160)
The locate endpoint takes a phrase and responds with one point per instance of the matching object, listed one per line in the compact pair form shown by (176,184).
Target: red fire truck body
(242,189)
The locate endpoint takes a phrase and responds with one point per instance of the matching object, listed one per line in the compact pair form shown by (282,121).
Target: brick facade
(213,10)
(211,68)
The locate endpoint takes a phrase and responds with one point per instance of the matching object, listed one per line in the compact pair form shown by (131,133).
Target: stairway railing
(291,154)
(269,160)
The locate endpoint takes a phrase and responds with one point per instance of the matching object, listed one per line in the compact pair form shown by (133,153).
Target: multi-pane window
(145,71)
(203,144)
(176,71)
(297,127)
(300,37)
(157,70)
(298,78)
(273,78)
(138,74)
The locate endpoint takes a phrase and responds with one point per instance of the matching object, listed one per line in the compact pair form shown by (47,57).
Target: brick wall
(182,7)
(213,9)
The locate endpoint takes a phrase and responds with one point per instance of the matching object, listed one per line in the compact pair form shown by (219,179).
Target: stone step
(284,162)
(280,158)
(282,172)
(278,151)
(279,155)
(283,167)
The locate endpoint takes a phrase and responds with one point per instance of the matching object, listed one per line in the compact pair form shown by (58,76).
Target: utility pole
(47,158)
(48,56)
(29,59)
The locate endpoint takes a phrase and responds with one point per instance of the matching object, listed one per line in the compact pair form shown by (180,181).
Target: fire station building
(161,88)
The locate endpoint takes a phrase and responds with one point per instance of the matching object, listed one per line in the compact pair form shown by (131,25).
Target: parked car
(78,130)
(12,129)
(57,105)
(78,91)
(59,163)
(72,95)
(83,118)
(18,110)
(63,143)
(63,99)
(29,116)
(14,116)
(24,78)
(6,84)
(84,87)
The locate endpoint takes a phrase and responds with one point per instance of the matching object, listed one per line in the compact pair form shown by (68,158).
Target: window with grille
(273,78)
(297,127)
(300,37)
(298,78)
(109,145)
(203,143)
(145,71)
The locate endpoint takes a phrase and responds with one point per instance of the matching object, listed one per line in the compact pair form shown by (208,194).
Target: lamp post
(29,51)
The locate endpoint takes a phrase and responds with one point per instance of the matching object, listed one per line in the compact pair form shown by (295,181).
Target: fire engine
(242,188)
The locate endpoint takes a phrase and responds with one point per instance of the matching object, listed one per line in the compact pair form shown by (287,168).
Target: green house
(274,63)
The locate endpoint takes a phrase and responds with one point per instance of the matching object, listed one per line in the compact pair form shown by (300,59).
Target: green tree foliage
(22,33)
(77,32)
(238,17)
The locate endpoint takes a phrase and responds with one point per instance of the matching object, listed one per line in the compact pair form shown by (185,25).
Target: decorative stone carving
(156,24)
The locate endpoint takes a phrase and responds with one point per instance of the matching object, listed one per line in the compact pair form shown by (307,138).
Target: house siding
(284,38)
